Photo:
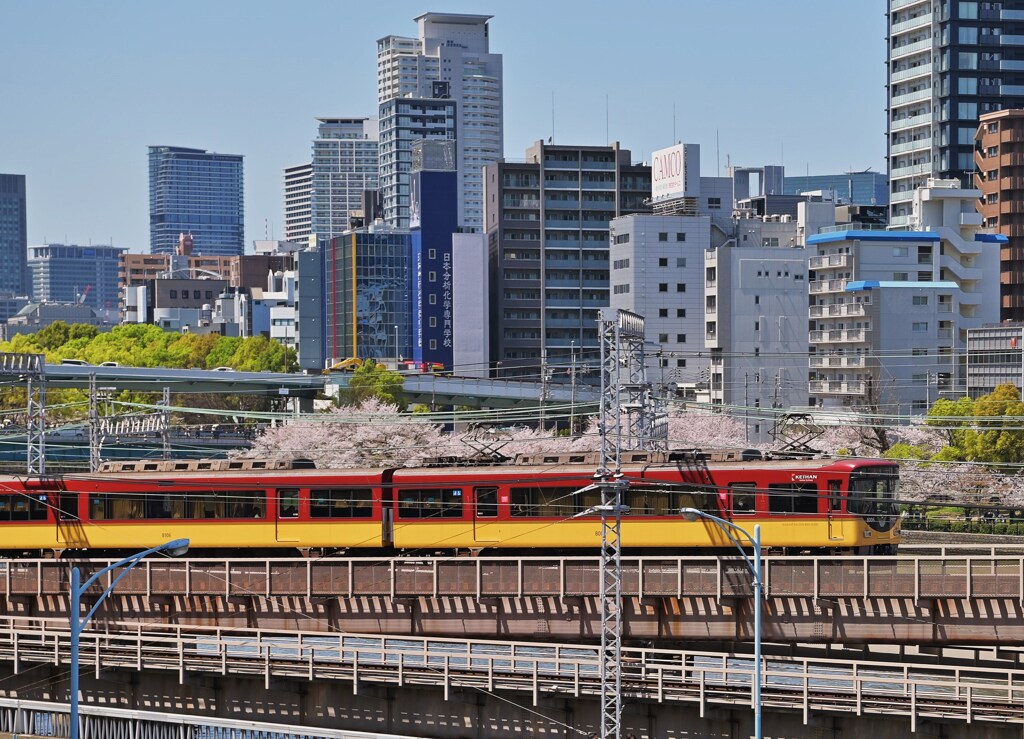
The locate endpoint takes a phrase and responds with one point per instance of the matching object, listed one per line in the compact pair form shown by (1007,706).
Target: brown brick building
(999,174)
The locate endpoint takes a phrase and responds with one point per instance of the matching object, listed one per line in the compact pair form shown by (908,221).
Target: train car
(548,504)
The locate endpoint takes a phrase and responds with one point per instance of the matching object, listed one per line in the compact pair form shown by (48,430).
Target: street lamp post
(754,565)
(173,548)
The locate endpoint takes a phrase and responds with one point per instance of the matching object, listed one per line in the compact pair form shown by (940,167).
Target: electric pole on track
(631,418)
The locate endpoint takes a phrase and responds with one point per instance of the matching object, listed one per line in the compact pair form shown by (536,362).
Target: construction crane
(85,292)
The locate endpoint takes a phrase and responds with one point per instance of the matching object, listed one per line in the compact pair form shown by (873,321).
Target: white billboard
(675,171)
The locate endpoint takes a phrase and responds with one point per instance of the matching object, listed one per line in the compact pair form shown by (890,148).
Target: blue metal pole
(175,548)
(757,631)
(76,630)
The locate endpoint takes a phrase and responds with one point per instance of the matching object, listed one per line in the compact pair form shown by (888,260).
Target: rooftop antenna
(718,155)
(607,135)
(551,139)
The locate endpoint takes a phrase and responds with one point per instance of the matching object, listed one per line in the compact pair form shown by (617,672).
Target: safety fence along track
(943,575)
(659,675)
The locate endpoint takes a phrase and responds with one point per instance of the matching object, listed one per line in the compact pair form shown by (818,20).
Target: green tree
(952,417)
(222,351)
(374,380)
(997,438)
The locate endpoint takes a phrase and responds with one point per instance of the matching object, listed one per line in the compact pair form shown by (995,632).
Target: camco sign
(668,172)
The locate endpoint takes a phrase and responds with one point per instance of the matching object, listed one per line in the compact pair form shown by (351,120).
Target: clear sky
(85,87)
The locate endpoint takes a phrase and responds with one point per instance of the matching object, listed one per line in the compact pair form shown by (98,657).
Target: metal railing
(536,669)
(948,573)
(39,718)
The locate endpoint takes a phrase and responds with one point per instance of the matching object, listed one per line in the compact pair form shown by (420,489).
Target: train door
(69,524)
(835,508)
(486,529)
(387,519)
(286,512)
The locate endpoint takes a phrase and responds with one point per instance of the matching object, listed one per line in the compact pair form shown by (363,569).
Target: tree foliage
(374,380)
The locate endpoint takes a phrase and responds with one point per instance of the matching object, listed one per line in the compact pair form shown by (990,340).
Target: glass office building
(855,188)
(13,235)
(198,192)
(368,299)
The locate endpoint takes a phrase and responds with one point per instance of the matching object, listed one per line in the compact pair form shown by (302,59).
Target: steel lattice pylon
(31,369)
(629,420)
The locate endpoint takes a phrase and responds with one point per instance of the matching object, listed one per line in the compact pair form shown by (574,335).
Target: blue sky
(87,86)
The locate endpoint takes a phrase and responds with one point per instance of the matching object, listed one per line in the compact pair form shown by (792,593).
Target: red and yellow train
(545,504)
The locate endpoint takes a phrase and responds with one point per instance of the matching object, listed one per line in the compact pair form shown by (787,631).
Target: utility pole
(572,389)
(94,425)
(165,422)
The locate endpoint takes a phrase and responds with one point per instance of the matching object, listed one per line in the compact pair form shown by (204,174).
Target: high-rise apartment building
(948,63)
(13,235)
(298,203)
(999,160)
(404,121)
(890,310)
(198,192)
(345,163)
(547,224)
(68,273)
(452,49)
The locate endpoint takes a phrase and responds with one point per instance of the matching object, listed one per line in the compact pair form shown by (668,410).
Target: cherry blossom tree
(371,434)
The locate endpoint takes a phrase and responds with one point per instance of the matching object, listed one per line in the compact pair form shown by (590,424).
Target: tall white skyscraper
(450,59)
(345,163)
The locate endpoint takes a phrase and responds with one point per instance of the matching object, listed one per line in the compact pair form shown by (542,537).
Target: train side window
(5,508)
(341,503)
(792,498)
(744,498)
(430,503)
(835,496)
(288,502)
(645,500)
(486,502)
(543,502)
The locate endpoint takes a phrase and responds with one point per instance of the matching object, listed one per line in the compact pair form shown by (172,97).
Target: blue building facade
(856,188)
(434,217)
(198,192)
(13,235)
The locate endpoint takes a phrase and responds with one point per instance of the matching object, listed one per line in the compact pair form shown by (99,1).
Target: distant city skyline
(745,79)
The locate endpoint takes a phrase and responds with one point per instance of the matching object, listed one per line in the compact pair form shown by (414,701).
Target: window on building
(770,241)
(680,236)
(901,276)
(621,238)
(197,295)
(662,338)
(662,287)
(901,251)
(920,326)
(432,276)
(680,287)
(919,352)
(680,312)
(681,338)
(662,312)
(663,262)
(173,294)
(680,363)
(714,203)
(680,261)
(920,300)
(432,299)
(431,253)
(663,236)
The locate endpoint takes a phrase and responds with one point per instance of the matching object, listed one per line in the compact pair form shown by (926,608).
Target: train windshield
(873,494)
